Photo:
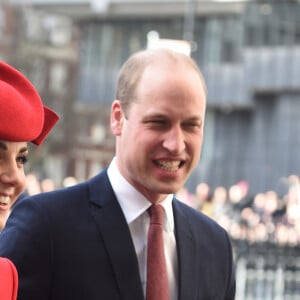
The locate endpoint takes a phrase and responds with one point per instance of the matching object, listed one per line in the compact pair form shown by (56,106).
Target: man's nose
(174,140)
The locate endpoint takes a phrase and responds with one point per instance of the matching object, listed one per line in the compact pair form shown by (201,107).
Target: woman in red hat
(23,119)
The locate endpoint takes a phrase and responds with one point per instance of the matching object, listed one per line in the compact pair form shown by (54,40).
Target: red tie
(157,277)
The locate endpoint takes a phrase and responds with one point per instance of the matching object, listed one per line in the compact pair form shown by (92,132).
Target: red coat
(8,280)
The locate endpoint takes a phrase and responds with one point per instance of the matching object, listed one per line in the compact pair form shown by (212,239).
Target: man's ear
(116,117)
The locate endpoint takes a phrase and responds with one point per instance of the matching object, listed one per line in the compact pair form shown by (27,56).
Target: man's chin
(167,188)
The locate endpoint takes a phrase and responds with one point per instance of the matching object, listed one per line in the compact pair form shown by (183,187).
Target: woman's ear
(116,117)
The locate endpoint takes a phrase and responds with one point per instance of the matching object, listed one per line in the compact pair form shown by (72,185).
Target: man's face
(159,140)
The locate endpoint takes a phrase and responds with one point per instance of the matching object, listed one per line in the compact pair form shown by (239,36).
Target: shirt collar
(132,202)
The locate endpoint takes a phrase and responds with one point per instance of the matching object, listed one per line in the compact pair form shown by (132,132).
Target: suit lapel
(116,236)
(188,283)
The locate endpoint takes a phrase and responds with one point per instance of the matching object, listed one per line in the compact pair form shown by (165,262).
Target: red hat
(23,117)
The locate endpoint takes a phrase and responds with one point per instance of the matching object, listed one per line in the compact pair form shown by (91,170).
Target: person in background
(202,195)
(23,119)
(48,185)
(89,241)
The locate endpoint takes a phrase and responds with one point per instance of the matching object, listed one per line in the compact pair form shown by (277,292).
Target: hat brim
(50,119)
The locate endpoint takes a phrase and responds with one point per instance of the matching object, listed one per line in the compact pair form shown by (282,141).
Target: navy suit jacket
(75,244)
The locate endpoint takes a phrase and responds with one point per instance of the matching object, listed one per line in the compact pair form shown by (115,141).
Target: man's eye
(158,122)
(191,125)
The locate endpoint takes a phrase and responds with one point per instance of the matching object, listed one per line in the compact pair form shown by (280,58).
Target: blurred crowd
(35,185)
(263,217)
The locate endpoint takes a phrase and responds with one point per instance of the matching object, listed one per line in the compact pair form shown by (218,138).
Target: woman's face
(13,156)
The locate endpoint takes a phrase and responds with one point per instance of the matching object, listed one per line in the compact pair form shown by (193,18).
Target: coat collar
(187,256)
(116,236)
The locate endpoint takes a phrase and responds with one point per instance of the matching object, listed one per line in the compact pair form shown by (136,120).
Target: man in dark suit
(89,241)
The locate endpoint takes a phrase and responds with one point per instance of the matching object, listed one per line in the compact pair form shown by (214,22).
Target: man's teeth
(4,199)
(168,165)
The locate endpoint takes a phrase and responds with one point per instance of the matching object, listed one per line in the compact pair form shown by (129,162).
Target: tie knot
(156,213)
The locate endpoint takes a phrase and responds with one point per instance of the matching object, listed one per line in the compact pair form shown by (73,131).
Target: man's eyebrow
(195,118)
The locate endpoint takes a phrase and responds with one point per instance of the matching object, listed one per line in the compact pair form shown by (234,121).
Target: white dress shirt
(134,206)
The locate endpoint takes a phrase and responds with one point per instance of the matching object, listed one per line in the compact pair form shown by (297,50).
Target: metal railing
(267,271)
